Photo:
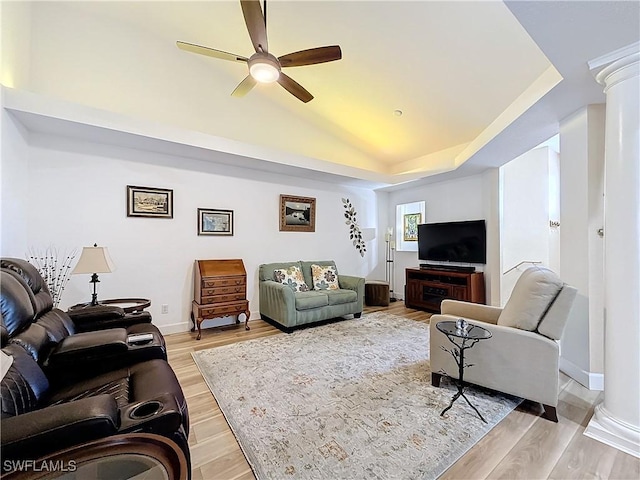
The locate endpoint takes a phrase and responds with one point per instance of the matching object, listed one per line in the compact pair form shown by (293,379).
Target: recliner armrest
(90,323)
(473,311)
(82,313)
(159,415)
(34,434)
(88,347)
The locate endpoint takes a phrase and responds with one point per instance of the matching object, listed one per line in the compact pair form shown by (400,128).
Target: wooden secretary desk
(219,290)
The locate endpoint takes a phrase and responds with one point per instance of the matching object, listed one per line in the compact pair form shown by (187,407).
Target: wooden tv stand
(426,288)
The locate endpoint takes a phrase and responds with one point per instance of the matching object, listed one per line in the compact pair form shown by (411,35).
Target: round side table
(462,339)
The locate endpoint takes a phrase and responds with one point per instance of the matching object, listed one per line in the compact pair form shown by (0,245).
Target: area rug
(348,400)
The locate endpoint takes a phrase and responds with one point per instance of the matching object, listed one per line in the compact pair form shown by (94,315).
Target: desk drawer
(230,297)
(222,282)
(223,309)
(209,292)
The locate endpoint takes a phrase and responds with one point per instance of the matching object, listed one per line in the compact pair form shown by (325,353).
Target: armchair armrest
(277,301)
(351,283)
(34,434)
(473,311)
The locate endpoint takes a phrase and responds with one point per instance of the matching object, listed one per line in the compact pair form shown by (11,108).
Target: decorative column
(616,420)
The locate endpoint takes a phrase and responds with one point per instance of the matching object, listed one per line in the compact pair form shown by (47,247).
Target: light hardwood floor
(522,446)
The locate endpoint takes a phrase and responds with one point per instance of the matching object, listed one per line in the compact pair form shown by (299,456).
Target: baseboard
(182,327)
(593,381)
(174,328)
(607,429)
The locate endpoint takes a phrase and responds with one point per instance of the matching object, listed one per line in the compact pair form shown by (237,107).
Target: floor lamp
(389,262)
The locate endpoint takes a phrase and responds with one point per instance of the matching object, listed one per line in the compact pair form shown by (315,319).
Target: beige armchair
(522,356)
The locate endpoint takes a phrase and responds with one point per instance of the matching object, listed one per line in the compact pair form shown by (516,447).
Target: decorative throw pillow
(325,277)
(291,276)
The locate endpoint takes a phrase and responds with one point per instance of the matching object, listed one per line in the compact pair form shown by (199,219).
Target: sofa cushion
(532,294)
(311,299)
(340,296)
(325,277)
(291,276)
(306,268)
(266,270)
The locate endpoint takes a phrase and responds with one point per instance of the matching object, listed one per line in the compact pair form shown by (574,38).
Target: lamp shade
(94,260)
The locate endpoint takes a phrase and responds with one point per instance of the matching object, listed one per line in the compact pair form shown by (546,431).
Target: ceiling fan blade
(256,24)
(244,86)
(294,88)
(210,52)
(311,56)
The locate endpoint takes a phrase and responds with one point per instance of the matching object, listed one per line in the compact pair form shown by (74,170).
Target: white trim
(174,328)
(593,381)
(617,434)
(611,57)
(182,327)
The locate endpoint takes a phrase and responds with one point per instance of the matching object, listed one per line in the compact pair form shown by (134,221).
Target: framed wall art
(410,226)
(297,214)
(215,222)
(149,202)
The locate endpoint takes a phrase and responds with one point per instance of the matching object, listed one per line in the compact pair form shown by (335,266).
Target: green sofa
(287,309)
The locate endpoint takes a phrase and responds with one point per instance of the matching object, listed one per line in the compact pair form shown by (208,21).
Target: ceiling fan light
(264,72)
(264,69)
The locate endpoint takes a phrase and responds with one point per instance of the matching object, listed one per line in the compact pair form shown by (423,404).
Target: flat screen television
(464,242)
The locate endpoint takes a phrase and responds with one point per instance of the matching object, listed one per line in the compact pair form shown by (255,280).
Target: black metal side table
(463,336)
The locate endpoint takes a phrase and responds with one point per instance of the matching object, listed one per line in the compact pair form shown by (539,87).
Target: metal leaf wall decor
(355,235)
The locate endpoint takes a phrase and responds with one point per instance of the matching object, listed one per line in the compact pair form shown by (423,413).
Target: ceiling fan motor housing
(264,67)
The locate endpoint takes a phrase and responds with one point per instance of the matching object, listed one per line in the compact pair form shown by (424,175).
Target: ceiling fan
(263,66)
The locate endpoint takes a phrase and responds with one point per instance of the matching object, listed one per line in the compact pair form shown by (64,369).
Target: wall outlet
(165,308)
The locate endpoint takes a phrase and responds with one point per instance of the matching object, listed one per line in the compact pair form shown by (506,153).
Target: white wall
(14,185)
(527,203)
(581,215)
(460,199)
(77,196)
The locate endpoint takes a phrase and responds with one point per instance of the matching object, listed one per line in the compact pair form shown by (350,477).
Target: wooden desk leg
(200,320)
(193,319)
(247,313)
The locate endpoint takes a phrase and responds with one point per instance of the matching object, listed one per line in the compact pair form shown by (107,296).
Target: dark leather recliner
(113,387)
(39,417)
(49,334)
(82,320)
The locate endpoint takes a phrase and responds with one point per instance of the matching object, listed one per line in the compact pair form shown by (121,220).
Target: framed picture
(149,202)
(410,226)
(215,222)
(297,214)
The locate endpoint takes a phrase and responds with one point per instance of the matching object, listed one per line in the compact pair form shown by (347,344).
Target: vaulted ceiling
(476,83)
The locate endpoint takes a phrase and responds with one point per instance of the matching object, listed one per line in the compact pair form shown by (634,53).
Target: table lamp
(94,260)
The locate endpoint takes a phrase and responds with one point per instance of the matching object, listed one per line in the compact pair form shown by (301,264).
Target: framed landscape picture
(297,214)
(215,222)
(410,227)
(149,202)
